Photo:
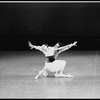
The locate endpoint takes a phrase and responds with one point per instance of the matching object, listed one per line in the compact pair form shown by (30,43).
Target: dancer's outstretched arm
(35,47)
(67,46)
(64,48)
(60,51)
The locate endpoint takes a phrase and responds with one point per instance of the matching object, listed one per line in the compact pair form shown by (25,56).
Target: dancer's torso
(50,55)
(50,59)
(49,52)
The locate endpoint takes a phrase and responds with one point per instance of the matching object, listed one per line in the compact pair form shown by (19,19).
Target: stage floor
(18,69)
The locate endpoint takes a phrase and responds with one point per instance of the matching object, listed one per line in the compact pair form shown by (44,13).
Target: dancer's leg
(56,74)
(40,73)
(64,76)
(45,73)
(61,71)
(63,66)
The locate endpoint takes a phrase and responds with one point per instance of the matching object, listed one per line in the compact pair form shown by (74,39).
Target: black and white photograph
(49,49)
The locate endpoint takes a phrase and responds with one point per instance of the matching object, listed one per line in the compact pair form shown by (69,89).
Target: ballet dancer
(51,64)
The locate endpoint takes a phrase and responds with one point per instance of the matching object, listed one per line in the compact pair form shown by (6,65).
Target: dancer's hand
(30,45)
(74,44)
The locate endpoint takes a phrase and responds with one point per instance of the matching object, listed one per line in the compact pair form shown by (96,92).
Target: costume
(50,59)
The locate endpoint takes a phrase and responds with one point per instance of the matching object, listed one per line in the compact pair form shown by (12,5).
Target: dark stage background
(49,23)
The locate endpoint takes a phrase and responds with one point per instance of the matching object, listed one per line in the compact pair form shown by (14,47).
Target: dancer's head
(57,45)
(45,46)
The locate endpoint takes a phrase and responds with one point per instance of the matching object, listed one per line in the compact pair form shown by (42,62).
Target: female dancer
(51,64)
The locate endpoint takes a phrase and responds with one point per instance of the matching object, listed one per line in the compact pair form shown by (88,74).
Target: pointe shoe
(69,75)
(60,75)
(36,77)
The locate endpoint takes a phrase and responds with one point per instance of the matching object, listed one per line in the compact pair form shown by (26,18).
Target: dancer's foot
(36,77)
(69,75)
(60,75)
(64,76)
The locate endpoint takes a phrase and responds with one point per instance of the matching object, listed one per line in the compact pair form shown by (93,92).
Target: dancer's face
(44,46)
(57,45)
(49,47)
